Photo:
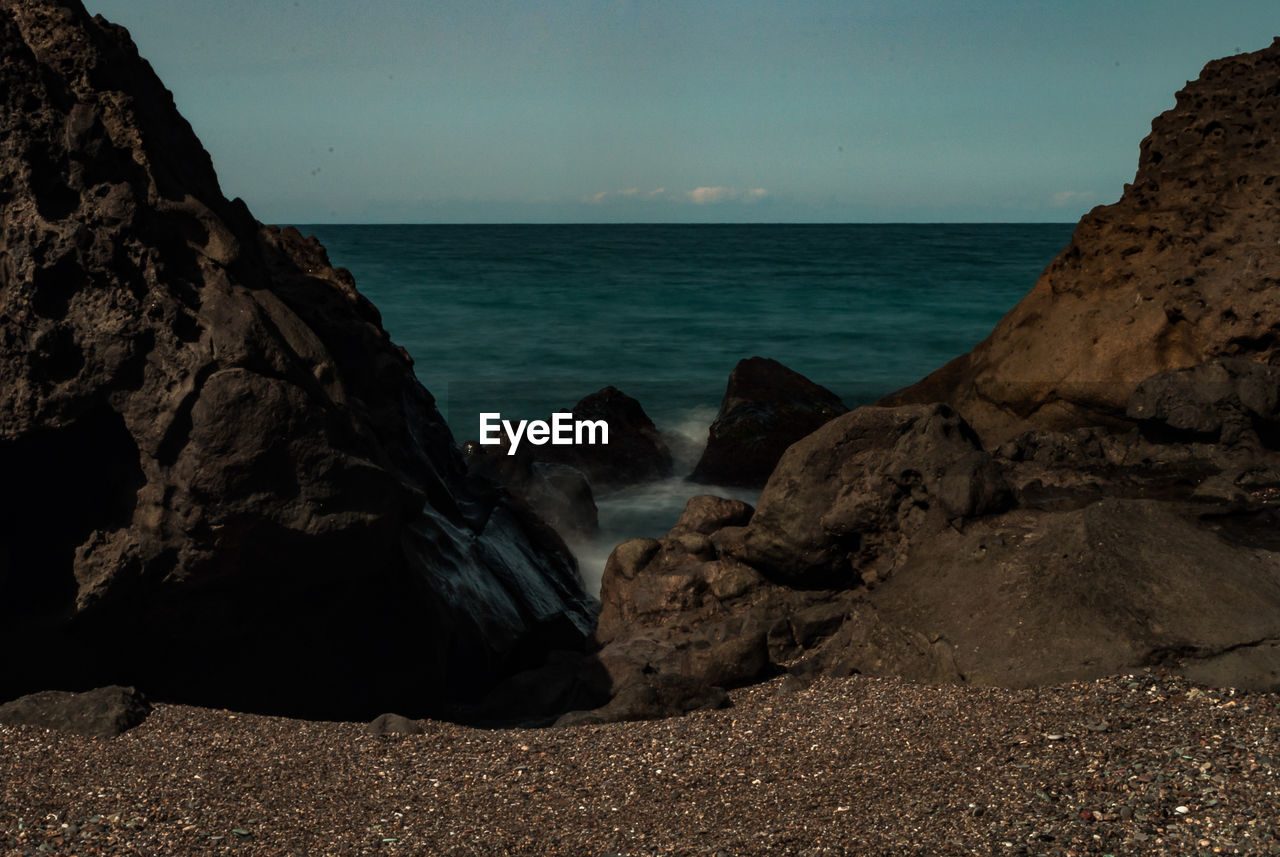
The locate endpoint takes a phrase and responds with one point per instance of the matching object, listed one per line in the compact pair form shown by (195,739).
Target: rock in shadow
(766,408)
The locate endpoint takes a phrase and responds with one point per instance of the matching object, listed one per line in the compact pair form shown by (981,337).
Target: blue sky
(646,110)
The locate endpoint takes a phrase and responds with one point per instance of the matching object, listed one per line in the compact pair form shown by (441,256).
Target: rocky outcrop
(1184,268)
(766,408)
(889,542)
(1094,489)
(222,482)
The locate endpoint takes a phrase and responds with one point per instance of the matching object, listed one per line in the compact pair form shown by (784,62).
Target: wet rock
(635,453)
(766,408)
(559,494)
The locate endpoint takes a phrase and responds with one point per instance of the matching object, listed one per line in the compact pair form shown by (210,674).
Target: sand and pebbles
(1140,764)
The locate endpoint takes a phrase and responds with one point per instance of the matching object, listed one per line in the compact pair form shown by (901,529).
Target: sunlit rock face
(1184,268)
(221,481)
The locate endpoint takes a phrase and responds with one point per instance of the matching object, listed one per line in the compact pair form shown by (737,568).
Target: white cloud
(628,193)
(713,195)
(697,196)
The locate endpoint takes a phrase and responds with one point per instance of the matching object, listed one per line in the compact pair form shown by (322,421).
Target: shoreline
(1137,764)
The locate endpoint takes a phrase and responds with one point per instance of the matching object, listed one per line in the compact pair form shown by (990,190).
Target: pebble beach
(1136,764)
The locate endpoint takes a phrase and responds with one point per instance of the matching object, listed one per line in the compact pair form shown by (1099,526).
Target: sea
(525,320)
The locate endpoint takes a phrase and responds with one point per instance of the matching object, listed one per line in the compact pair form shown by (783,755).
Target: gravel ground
(1145,764)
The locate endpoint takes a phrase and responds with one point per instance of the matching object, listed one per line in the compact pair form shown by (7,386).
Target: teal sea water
(527,319)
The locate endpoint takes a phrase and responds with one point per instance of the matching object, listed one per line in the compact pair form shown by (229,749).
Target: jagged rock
(1182,269)
(1227,401)
(222,482)
(766,408)
(635,453)
(101,713)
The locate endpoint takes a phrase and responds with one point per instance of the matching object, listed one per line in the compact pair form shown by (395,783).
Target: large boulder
(843,497)
(103,712)
(1182,269)
(222,482)
(766,408)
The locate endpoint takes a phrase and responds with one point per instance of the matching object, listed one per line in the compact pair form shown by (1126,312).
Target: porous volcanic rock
(766,408)
(1185,267)
(222,482)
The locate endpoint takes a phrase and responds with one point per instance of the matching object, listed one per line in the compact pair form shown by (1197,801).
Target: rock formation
(1115,508)
(222,482)
(766,408)
(1185,267)
(890,543)
(635,453)
(559,482)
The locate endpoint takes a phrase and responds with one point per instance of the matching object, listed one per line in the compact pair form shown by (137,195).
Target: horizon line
(296,223)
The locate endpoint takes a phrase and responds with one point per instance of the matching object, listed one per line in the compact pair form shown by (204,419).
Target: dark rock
(223,483)
(1065,556)
(843,498)
(652,699)
(766,408)
(101,713)
(394,724)
(635,453)
(1226,401)
(566,681)
(559,494)
(1024,599)
(1179,271)
(558,482)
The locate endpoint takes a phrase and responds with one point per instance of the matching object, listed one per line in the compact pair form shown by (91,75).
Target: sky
(476,111)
